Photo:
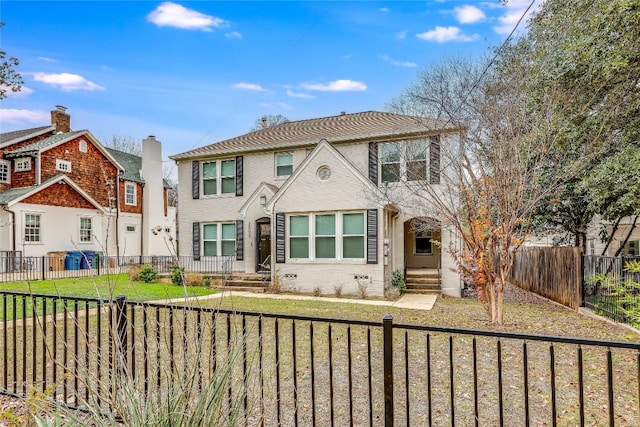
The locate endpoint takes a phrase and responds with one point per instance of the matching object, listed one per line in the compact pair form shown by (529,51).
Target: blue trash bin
(72,261)
(87,260)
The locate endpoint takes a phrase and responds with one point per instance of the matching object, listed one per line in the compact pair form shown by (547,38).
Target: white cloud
(336,86)
(45,59)
(401,35)
(384,9)
(67,82)
(249,86)
(24,116)
(299,95)
(23,93)
(468,14)
(397,63)
(233,35)
(174,15)
(515,9)
(445,34)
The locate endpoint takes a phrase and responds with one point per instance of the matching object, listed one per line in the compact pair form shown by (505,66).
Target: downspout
(13,227)
(142,230)
(118,217)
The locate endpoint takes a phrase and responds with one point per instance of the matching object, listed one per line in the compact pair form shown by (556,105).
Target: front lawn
(106,287)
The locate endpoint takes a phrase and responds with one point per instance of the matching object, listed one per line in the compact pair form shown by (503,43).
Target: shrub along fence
(553,272)
(272,369)
(612,289)
(59,265)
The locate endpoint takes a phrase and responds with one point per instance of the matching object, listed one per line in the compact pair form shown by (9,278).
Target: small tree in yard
(490,175)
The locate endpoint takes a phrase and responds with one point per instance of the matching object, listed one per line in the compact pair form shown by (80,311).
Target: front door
(263,227)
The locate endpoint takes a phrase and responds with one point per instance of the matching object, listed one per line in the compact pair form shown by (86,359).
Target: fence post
(121,334)
(387,340)
(42,266)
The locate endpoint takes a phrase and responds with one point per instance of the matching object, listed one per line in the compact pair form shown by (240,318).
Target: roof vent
(342,115)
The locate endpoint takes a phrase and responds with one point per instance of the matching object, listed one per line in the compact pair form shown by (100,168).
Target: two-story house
(310,199)
(61,190)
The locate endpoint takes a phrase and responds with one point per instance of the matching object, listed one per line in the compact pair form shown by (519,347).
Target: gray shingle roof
(130,162)
(132,165)
(13,193)
(368,125)
(17,134)
(44,143)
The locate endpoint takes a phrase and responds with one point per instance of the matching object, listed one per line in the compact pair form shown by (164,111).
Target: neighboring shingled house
(306,199)
(61,190)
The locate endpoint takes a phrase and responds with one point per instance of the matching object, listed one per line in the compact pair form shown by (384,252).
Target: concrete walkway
(410,301)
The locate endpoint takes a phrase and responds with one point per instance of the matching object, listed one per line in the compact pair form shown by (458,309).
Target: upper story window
(284,164)
(5,172)
(23,164)
(82,146)
(32,228)
(63,165)
(219,177)
(130,193)
(327,236)
(86,227)
(417,160)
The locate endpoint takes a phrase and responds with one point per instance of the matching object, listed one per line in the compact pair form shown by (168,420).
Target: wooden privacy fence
(553,272)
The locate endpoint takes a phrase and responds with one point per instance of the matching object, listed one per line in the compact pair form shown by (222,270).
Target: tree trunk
(610,239)
(626,239)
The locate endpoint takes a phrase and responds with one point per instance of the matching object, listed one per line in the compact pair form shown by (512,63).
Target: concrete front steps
(423,281)
(246,282)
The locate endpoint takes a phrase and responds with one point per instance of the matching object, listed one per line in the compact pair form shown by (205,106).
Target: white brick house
(306,197)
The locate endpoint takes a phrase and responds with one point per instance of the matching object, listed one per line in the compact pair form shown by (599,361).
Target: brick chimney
(61,119)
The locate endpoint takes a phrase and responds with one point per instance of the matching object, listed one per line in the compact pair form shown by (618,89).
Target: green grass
(105,287)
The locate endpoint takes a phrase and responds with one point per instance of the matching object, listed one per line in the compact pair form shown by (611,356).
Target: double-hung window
(218,177)
(23,164)
(130,193)
(408,160)
(631,248)
(423,243)
(327,236)
(86,230)
(32,228)
(219,239)
(284,164)
(5,172)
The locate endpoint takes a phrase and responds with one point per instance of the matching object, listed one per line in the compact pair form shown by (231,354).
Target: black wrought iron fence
(300,370)
(611,289)
(58,265)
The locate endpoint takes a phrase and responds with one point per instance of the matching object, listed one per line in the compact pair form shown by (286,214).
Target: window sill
(218,196)
(325,261)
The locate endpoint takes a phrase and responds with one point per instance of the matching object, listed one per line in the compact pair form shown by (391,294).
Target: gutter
(13,227)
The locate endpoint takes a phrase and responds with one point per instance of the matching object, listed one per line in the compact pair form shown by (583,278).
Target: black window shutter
(239,240)
(280,238)
(434,160)
(195,179)
(372,236)
(239,173)
(196,241)
(373,162)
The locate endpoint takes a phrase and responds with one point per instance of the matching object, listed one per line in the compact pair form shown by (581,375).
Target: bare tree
(10,79)
(126,144)
(489,183)
(267,121)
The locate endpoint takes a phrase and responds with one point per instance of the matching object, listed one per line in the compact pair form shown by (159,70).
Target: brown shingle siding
(59,194)
(92,171)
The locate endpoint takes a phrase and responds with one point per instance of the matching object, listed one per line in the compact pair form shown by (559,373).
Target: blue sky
(193,73)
